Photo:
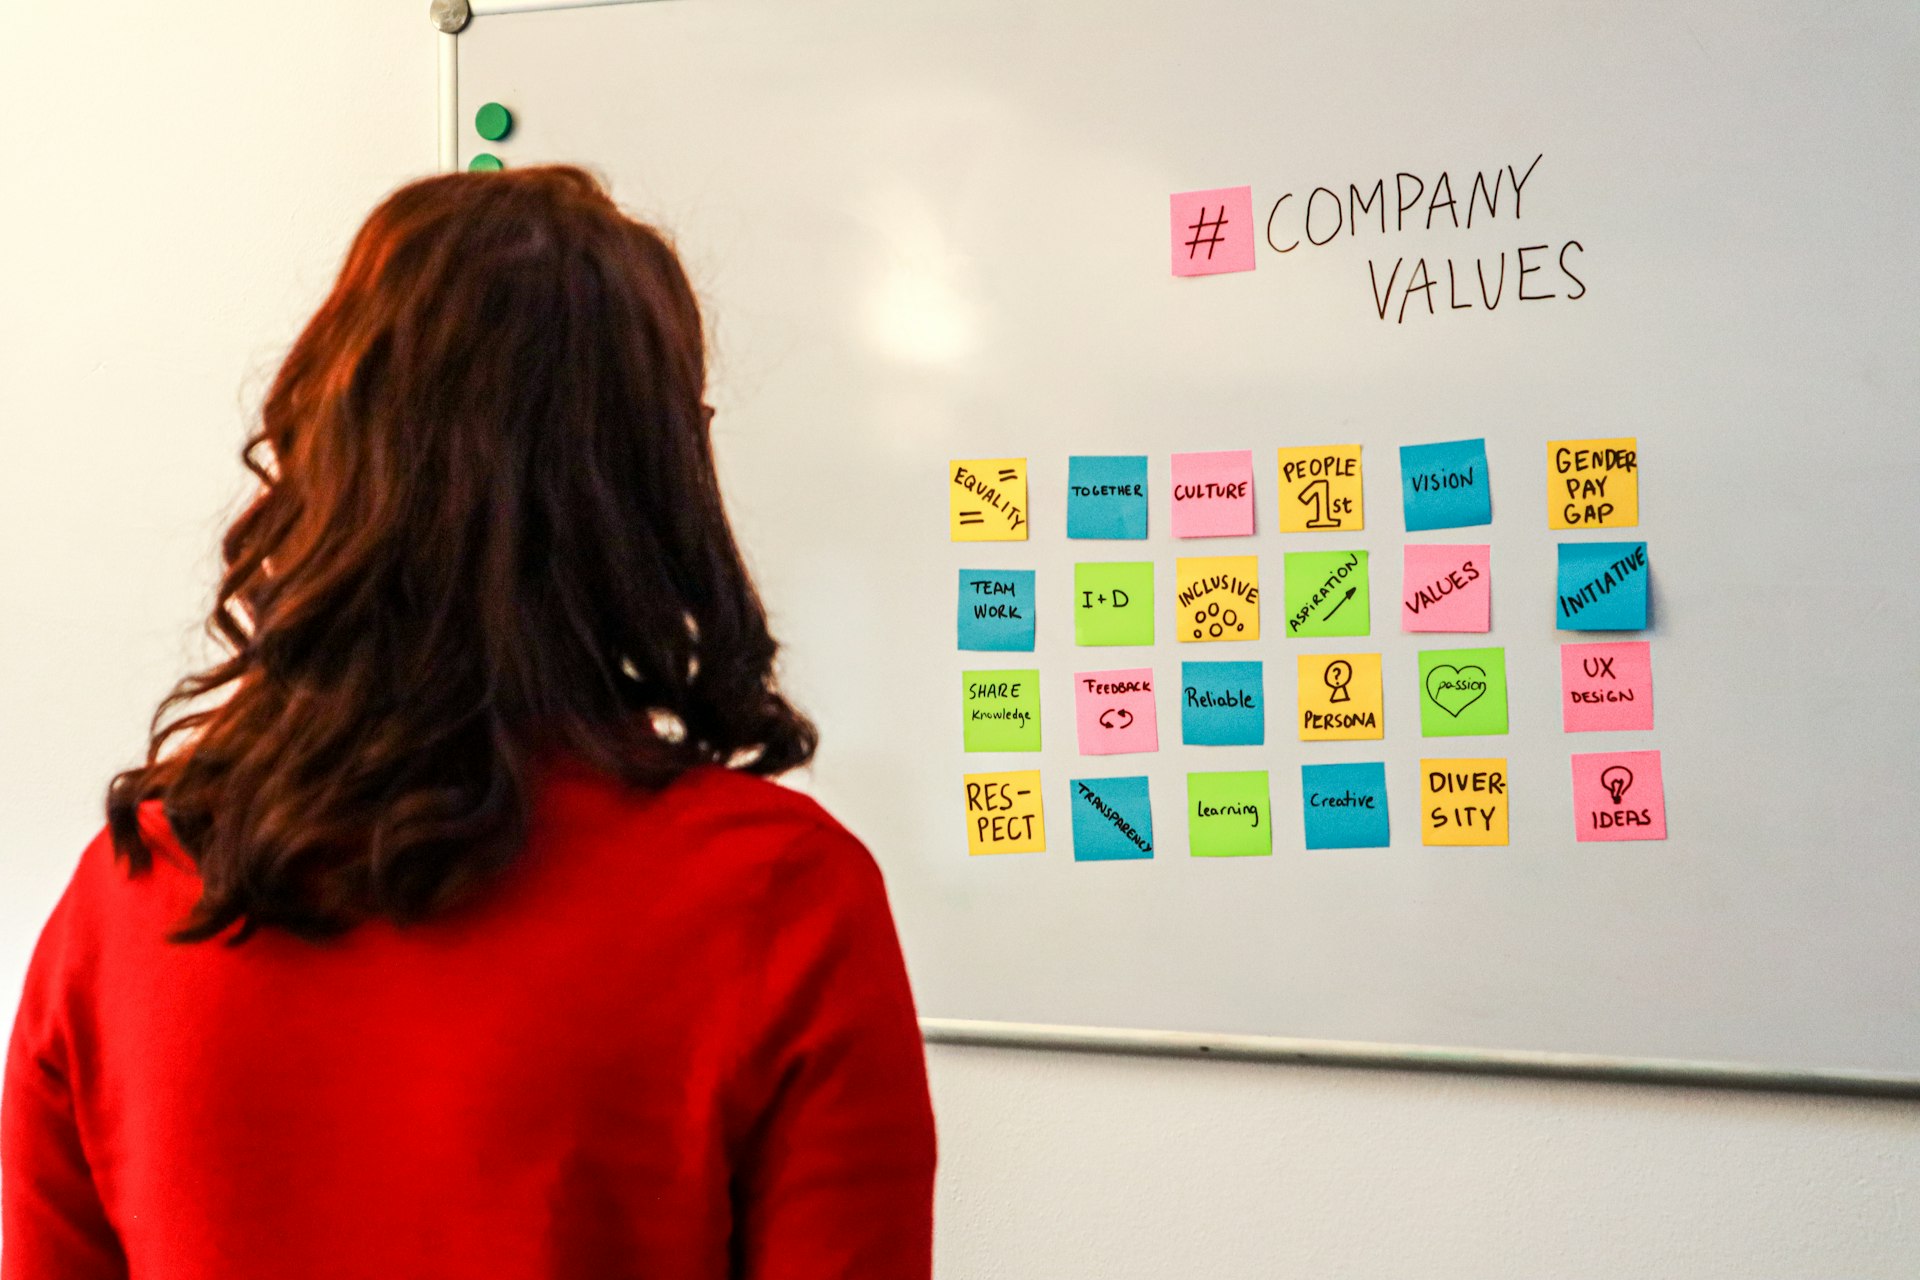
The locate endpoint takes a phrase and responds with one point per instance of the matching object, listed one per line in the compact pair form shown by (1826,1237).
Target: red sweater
(674,1040)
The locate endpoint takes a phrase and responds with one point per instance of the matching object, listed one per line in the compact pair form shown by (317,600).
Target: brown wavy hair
(488,535)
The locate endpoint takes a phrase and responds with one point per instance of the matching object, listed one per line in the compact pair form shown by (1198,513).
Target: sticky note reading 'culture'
(1218,598)
(1112,820)
(1229,815)
(1345,806)
(1603,586)
(1462,692)
(987,500)
(1593,484)
(1004,814)
(1213,494)
(1606,686)
(1222,704)
(1320,489)
(1114,712)
(1445,486)
(1617,795)
(1446,589)
(996,609)
(1463,802)
(1327,593)
(1212,231)
(1001,710)
(1340,697)
(1107,497)
(1113,603)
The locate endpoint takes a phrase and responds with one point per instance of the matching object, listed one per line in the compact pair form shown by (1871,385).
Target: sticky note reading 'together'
(1107,497)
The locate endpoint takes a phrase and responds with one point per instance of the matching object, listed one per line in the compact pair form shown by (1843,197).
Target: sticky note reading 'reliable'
(1593,484)
(987,500)
(1107,497)
(1222,704)
(1327,593)
(1340,697)
(1212,231)
(1462,692)
(1213,494)
(996,609)
(1004,813)
(1617,795)
(1001,710)
(1112,820)
(1606,686)
(1446,588)
(1229,815)
(1445,486)
(1345,806)
(1603,586)
(1463,802)
(1218,597)
(1113,603)
(1320,489)
(1114,712)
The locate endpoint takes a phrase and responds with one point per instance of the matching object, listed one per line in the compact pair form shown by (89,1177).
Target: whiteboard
(940,231)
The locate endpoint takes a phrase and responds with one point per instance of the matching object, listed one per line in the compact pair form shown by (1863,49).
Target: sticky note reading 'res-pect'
(1004,813)
(987,500)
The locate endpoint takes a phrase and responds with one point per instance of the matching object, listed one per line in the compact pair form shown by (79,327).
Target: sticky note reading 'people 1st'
(1341,697)
(1345,806)
(1229,815)
(1593,484)
(1327,593)
(1617,795)
(1445,486)
(1212,231)
(1218,598)
(1606,686)
(1004,813)
(1112,820)
(1213,494)
(1603,586)
(1001,710)
(996,609)
(1463,692)
(1446,588)
(987,500)
(1107,497)
(1114,712)
(1113,603)
(1222,704)
(1320,489)
(1463,802)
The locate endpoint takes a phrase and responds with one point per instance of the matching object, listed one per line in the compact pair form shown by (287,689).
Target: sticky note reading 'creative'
(1107,497)
(1114,712)
(1463,802)
(1603,586)
(1345,806)
(1004,813)
(1593,484)
(1462,692)
(1327,593)
(996,609)
(1001,710)
(1212,231)
(1222,704)
(1606,686)
(987,500)
(1213,494)
(1617,795)
(1113,603)
(1229,815)
(1446,588)
(1445,486)
(1112,820)
(1320,489)
(1340,697)
(1218,598)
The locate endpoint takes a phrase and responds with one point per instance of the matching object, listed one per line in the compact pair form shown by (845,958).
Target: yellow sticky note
(1218,597)
(987,499)
(1003,813)
(1593,484)
(1340,697)
(1320,489)
(1463,802)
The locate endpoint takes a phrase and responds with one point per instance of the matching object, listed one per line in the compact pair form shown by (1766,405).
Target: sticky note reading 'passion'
(1445,486)
(1446,588)
(1327,593)
(1114,711)
(1229,815)
(1113,603)
(1345,806)
(1463,802)
(1001,710)
(1606,686)
(1107,497)
(1218,598)
(1593,484)
(1112,820)
(1462,692)
(1213,494)
(1340,697)
(1212,231)
(1617,795)
(996,609)
(987,500)
(1603,586)
(1222,704)
(1004,813)
(1320,489)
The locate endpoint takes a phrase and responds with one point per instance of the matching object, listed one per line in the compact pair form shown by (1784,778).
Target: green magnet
(493,122)
(485,163)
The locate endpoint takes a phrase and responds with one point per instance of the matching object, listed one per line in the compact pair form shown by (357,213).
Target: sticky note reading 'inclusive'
(1603,586)
(1617,795)
(987,500)
(1327,593)
(1113,603)
(1606,686)
(1107,497)
(996,609)
(1445,486)
(1446,589)
(1229,815)
(1212,231)
(1213,494)
(1218,597)
(1114,712)
(1001,710)
(1462,692)
(1345,806)
(1004,813)
(1463,802)
(1340,697)
(1222,704)
(1112,820)
(1593,484)
(1320,489)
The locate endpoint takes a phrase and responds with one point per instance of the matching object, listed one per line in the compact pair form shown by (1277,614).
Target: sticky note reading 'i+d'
(1341,698)
(1617,795)
(1107,497)
(1320,489)
(1603,586)
(987,500)
(1113,603)
(1004,813)
(1213,494)
(1345,806)
(1593,484)
(1212,231)
(1463,802)
(1218,598)
(1606,686)
(1001,710)
(1114,712)
(1446,589)
(1222,704)
(1445,486)
(1112,820)
(1463,692)
(1327,593)
(1229,815)
(996,609)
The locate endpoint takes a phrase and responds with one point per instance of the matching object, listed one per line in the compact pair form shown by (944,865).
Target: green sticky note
(1327,593)
(1229,815)
(1462,692)
(1001,710)
(1113,603)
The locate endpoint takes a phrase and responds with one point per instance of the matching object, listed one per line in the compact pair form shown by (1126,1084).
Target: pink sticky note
(1617,796)
(1606,686)
(1446,589)
(1114,711)
(1213,494)
(1213,231)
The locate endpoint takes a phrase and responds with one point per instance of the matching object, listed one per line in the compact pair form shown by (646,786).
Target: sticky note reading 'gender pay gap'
(1107,497)
(1114,712)
(1446,589)
(996,609)
(1213,494)
(1603,586)
(1463,802)
(1222,704)
(1320,489)
(1212,231)
(1445,486)
(1606,686)
(1001,710)
(1345,806)
(1229,815)
(987,500)
(1004,814)
(1593,484)
(1617,795)
(1112,820)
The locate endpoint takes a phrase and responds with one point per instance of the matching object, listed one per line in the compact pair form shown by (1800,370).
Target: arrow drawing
(1336,606)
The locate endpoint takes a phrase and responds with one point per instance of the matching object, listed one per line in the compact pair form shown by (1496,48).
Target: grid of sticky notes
(1325,594)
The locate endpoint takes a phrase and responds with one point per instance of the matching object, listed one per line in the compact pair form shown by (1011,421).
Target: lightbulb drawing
(1618,780)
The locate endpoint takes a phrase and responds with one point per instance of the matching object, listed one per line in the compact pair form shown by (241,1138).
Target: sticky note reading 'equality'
(1107,497)
(1345,806)
(1606,686)
(1212,231)
(987,500)
(1463,802)
(1222,704)
(1004,813)
(996,609)
(1114,712)
(1340,697)
(1603,586)
(1445,486)
(1218,598)
(1001,710)
(1618,795)
(1327,593)
(1320,489)
(1112,820)
(1113,603)
(1462,692)
(1213,494)
(1446,589)
(1229,815)
(1593,484)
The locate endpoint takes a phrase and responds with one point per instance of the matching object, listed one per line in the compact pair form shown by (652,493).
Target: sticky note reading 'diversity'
(1004,814)
(1463,802)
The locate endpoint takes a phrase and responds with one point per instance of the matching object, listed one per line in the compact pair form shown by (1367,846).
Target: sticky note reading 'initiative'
(1004,814)
(1222,704)
(1114,712)
(1446,588)
(1107,497)
(1341,698)
(1001,710)
(1213,494)
(1445,486)
(1327,593)
(1218,598)
(1593,484)
(1112,820)
(987,500)
(1345,806)
(1229,815)
(1617,795)
(1113,603)
(1603,586)
(1462,692)
(1212,231)
(996,609)
(1463,802)
(1606,686)
(1320,489)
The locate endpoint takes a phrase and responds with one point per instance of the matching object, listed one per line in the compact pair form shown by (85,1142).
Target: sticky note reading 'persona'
(1222,704)
(1107,497)
(1112,820)
(1463,802)
(1229,815)
(1004,814)
(987,500)
(1340,697)
(996,609)
(1462,692)
(1446,589)
(1603,586)
(1001,710)
(1606,686)
(1327,593)
(1218,598)
(1345,806)
(1617,795)
(1113,603)
(1212,231)
(1445,486)
(1593,484)
(1114,712)
(1213,494)
(1320,489)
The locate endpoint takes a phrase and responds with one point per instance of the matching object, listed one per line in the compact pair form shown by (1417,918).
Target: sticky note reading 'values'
(1462,692)
(1212,231)
(1617,795)
(1345,806)
(1004,814)
(1114,712)
(987,500)
(1340,697)
(1001,710)
(1446,589)
(1107,497)
(1463,802)
(1112,820)
(1113,603)
(1593,484)
(1229,815)
(1327,593)
(1213,494)
(1603,586)
(1320,489)
(1606,686)
(1218,597)
(1444,486)
(1222,704)
(996,609)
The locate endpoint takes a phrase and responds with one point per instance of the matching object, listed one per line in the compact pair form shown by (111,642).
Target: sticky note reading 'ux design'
(1340,697)
(1606,686)
(1327,593)
(1114,712)
(1445,486)
(987,500)
(996,609)
(1001,710)
(1004,814)
(1345,806)
(1320,489)
(1603,586)
(1112,820)
(1229,815)
(1463,802)
(1222,704)
(1113,603)
(1617,795)
(1218,598)
(1462,692)
(1212,231)
(1593,484)
(1213,494)
(1446,589)
(1107,497)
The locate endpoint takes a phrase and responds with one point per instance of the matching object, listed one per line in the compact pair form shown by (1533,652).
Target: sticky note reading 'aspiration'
(1222,704)
(1446,589)
(1113,603)
(1445,486)
(1114,711)
(987,500)
(1603,586)
(1320,489)
(996,609)
(1327,593)
(1212,231)
(1606,686)
(1345,806)
(1340,697)
(1004,813)
(1463,802)
(1617,795)
(1112,820)
(1229,815)
(1001,710)
(1107,497)
(1463,691)
(1218,597)
(1213,494)
(1593,484)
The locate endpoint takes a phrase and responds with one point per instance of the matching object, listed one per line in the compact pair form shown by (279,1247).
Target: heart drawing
(1454,689)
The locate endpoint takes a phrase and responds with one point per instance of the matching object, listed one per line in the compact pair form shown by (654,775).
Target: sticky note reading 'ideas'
(1463,802)
(1001,710)
(1112,820)
(1445,486)
(1593,484)
(1320,489)
(1617,795)
(1212,231)
(987,500)
(1107,497)
(1213,494)
(1229,815)
(1218,597)
(1606,686)
(1114,712)
(1446,589)
(996,609)
(1004,814)
(1345,806)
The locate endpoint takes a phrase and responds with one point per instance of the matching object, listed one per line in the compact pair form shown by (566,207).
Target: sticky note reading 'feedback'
(1218,597)
(1618,795)
(1463,692)
(1212,231)
(1345,806)
(1113,603)
(1107,497)
(1114,712)
(987,500)
(1327,593)
(1463,802)
(1213,494)
(1222,704)
(1229,815)
(1606,686)
(1001,710)
(1112,820)
(1341,697)
(1593,484)
(996,609)
(1445,486)
(1446,588)
(1603,586)
(1320,489)
(1004,813)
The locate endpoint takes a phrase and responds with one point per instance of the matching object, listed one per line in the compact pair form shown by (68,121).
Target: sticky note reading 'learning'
(1445,486)
(1222,704)
(1327,593)
(1446,589)
(1593,484)
(1229,815)
(996,609)
(987,500)
(1107,497)
(1001,710)
(1345,806)
(1617,795)
(1114,712)
(1213,494)
(1462,692)
(1340,697)
(1004,814)
(1606,686)
(1218,597)
(1463,802)
(1603,586)
(1212,231)
(1320,489)
(1113,603)
(1112,820)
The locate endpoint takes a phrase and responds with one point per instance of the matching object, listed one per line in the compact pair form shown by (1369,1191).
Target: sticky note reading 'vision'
(996,609)
(1113,603)
(1593,484)
(1114,711)
(1462,692)
(1445,486)
(1212,231)
(987,500)
(1320,489)
(1004,814)
(1617,795)
(1218,597)
(1327,593)
(1603,586)
(1463,802)
(1213,494)
(1001,710)
(1112,820)
(1222,704)
(1229,815)
(1107,497)
(1446,589)
(1606,686)
(1345,806)
(1340,697)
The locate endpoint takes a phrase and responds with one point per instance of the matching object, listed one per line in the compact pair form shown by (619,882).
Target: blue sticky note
(1112,819)
(1445,486)
(1107,497)
(1603,587)
(1222,704)
(1345,805)
(996,609)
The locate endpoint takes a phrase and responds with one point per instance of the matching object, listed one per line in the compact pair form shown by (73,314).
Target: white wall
(176,186)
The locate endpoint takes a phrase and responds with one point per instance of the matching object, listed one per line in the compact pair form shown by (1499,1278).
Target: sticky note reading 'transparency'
(1004,813)
(1212,231)
(1114,712)
(1218,597)
(1001,710)
(1112,820)
(1327,593)
(1446,588)
(1603,586)
(1229,815)
(1222,704)
(1213,494)
(1445,486)
(1593,484)
(1463,802)
(1320,489)
(1462,692)
(1340,697)
(1606,686)
(1345,806)
(987,500)
(1618,795)
(996,609)
(1107,497)
(1113,603)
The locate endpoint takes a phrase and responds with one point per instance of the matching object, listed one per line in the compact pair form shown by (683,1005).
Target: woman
(451,928)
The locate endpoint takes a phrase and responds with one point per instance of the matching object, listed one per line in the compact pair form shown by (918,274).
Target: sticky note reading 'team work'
(1229,815)
(1218,597)
(1327,593)
(1345,806)
(1001,710)
(1603,586)
(1107,497)
(1114,712)
(1212,231)
(1213,494)
(1446,588)
(1112,820)
(1606,686)
(1462,692)
(1593,484)
(996,609)
(1004,813)
(1113,603)
(1445,486)
(1463,802)
(987,500)
(1222,704)
(1618,795)
(1320,489)
(1340,697)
